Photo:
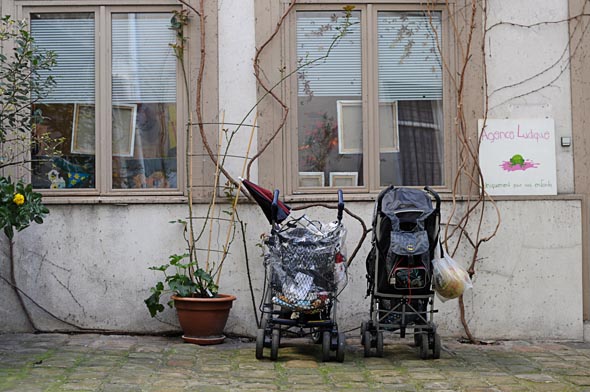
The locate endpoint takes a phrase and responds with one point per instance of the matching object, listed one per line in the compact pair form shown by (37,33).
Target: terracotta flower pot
(203,319)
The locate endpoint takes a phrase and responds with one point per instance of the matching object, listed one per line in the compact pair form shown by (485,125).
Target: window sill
(112,200)
(445,196)
(290,199)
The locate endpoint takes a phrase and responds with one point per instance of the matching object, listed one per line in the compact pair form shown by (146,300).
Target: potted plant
(202,311)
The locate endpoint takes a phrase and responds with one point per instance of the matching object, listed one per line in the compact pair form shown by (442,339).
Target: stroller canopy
(407,201)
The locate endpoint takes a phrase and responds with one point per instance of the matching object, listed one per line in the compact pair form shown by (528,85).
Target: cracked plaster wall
(88,265)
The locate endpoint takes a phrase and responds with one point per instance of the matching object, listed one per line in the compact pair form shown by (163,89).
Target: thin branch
(21,292)
(532,25)
(185,3)
(566,52)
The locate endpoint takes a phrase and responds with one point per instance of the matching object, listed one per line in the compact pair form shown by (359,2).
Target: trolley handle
(274,207)
(340,204)
(435,195)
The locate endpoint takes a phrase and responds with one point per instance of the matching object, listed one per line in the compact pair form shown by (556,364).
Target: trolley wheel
(274,348)
(364,328)
(436,346)
(326,343)
(367,343)
(424,347)
(259,343)
(341,347)
(417,337)
(316,336)
(379,352)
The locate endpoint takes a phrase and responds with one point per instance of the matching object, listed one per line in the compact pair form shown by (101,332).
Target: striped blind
(340,73)
(143,63)
(409,59)
(72,39)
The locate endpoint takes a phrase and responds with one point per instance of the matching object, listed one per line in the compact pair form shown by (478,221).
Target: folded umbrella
(264,197)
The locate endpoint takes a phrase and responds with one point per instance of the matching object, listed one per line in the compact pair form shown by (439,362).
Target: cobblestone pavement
(57,362)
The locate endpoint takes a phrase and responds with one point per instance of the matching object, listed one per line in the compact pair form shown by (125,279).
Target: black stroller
(305,267)
(399,269)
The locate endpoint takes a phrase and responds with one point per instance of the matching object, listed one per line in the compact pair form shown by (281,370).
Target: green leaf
(162,268)
(153,303)
(175,259)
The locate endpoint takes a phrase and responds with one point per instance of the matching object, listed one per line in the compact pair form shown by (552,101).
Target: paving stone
(397,387)
(112,363)
(122,388)
(426,375)
(472,383)
(512,388)
(579,380)
(309,379)
(82,385)
(257,374)
(552,387)
(200,388)
(339,378)
(500,380)
(536,377)
(300,363)
(208,380)
(438,386)
(26,388)
(305,388)
(254,387)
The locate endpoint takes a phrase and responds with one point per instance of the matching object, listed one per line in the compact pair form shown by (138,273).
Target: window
(115,100)
(369,109)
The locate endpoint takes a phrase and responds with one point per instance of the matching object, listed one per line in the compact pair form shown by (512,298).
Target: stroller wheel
(424,347)
(316,336)
(259,343)
(326,343)
(436,346)
(363,330)
(417,337)
(341,347)
(274,348)
(367,343)
(379,352)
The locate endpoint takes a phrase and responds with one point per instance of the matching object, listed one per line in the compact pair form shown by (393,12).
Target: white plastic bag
(449,279)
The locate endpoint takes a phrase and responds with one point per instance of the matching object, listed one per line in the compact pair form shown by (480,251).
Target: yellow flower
(18,199)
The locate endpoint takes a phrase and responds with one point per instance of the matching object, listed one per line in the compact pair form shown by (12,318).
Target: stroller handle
(340,204)
(274,207)
(435,195)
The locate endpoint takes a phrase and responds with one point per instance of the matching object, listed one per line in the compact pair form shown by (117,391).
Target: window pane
(330,135)
(68,111)
(144,101)
(410,99)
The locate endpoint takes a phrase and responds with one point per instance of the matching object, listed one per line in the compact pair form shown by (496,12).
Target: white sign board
(517,156)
